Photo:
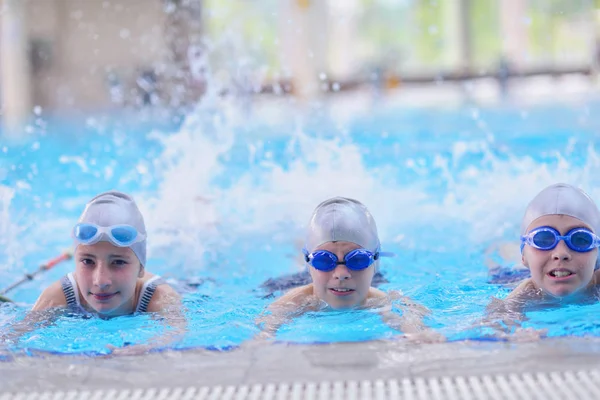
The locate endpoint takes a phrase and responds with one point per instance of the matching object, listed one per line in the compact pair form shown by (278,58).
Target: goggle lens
(582,240)
(359,260)
(85,233)
(124,234)
(544,239)
(323,261)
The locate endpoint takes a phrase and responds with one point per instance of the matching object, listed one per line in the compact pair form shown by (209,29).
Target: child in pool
(342,251)
(110,278)
(559,245)
(110,254)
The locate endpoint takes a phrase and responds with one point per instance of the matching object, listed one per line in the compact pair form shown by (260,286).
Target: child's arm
(166,304)
(51,297)
(506,316)
(165,300)
(511,308)
(410,323)
(293,304)
(43,313)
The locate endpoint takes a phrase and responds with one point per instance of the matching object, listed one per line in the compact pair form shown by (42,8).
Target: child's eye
(87,261)
(119,263)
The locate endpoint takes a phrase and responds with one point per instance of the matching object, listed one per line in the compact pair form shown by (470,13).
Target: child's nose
(101,277)
(561,252)
(341,272)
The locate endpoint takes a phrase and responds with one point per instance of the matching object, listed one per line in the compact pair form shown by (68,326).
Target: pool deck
(286,363)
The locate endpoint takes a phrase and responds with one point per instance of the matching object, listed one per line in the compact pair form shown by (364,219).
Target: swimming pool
(226,196)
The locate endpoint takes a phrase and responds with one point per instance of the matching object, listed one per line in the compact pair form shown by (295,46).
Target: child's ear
(142,271)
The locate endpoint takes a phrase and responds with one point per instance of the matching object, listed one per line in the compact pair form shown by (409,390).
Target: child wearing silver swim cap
(342,251)
(110,277)
(559,245)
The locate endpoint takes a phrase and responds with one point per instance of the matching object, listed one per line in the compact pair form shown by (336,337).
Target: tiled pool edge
(576,385)
(299,364)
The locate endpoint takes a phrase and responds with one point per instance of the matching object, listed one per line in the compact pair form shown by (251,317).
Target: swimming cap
(342,219)
(116,208)
(562,199)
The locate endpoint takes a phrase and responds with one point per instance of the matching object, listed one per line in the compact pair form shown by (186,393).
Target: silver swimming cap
(116,208)
(562,199)
(342,219)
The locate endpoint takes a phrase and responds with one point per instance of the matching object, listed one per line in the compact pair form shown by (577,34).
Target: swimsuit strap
(69,290)
(147,292)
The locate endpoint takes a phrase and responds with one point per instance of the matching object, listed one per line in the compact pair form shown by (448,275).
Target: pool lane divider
(67,255)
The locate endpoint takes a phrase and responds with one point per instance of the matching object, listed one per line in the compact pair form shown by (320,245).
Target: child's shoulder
(524,289)
(375,293)
(164,297)
(298,293)
(52,296)
(295,297)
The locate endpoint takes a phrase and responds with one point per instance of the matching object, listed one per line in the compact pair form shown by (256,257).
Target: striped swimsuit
(71,292)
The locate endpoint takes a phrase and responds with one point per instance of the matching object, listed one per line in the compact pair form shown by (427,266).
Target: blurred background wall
(87,55)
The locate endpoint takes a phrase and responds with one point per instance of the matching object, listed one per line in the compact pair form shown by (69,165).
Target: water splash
(227,197)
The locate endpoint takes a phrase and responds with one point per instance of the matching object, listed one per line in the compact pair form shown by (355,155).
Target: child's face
(107,277)
(326,284)
(544,263)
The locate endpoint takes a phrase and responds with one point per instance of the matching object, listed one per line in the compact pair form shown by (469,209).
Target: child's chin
(105,310)
(561,293)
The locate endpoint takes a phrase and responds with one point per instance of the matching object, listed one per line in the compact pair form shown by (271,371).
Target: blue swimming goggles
(547,238)
(119,235)
(355,260)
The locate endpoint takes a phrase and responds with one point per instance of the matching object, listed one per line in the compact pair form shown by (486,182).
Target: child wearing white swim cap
(342,251)
(110,277)
(559,245)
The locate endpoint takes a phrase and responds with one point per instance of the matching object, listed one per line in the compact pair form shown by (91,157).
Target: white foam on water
(11,226)
(189,212)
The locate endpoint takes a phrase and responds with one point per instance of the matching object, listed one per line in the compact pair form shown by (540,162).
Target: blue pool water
(226,197)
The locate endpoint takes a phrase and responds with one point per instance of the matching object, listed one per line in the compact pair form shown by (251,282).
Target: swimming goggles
(547,238)
(355,260)
(119,235)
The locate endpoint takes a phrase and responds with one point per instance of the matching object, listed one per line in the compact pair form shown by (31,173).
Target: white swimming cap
(116,208)
(342,219)
(562,199)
